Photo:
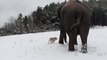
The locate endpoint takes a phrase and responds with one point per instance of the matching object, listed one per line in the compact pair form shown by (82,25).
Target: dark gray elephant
(75,20)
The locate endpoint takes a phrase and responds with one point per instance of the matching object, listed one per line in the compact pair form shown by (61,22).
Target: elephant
(75,19)
(62,32)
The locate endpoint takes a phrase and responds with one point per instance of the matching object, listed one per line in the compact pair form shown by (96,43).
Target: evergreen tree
(20,23)
(34,17)
(25,22)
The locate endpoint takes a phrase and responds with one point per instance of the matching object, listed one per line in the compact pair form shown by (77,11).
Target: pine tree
(20,23)
(25,22)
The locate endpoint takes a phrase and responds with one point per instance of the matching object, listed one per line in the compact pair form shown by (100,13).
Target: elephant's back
(75,7)
(71,9)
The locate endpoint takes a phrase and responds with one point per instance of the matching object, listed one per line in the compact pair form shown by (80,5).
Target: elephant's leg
(72,36)
(61,37)
(75,38)
(83,35)
(75,42)
(65,37)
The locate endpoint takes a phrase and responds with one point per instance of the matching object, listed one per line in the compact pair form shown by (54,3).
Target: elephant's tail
(78,21)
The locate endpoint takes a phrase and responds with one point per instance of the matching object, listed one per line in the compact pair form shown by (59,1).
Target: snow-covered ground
(35,47)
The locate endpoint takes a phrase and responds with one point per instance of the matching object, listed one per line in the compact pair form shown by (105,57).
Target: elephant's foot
(84,49)
(71,49)
(61,42)
(65,41)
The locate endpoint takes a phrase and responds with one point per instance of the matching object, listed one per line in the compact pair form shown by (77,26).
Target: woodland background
(46,18)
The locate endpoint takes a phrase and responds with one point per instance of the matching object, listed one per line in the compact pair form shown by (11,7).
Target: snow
(34,46)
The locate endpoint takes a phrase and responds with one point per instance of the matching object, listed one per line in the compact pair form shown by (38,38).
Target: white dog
(52,40)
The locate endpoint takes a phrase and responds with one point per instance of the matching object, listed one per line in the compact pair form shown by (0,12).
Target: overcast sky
(11,8)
